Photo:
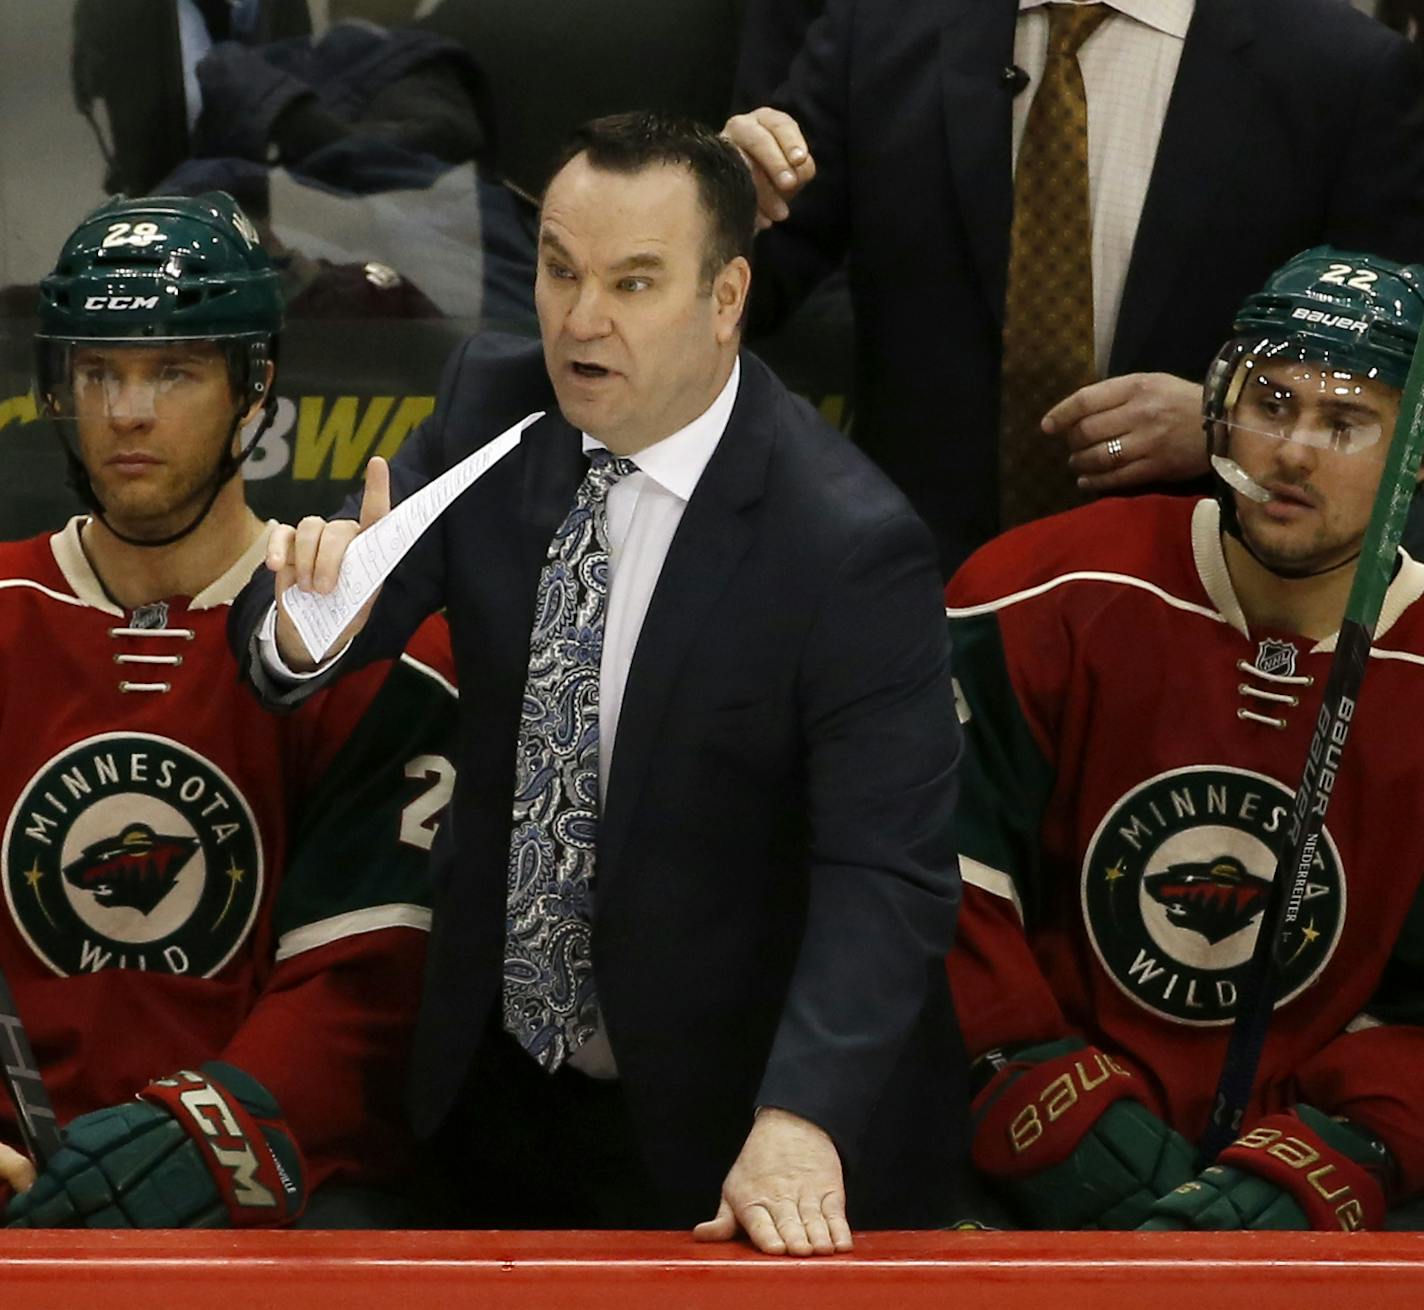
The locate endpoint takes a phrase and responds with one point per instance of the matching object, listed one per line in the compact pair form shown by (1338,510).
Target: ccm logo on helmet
(1330,320)
(120,302)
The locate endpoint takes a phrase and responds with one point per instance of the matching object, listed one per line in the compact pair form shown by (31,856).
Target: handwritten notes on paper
(372,556)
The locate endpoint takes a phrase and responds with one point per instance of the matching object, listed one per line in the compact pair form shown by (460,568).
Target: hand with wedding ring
(1126,431)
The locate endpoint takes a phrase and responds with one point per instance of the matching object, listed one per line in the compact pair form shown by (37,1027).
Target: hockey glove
(1061,1131)
(197,1150)
(1300,1170)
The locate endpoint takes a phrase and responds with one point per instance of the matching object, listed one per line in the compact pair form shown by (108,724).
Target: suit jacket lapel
(1204,114)
(553,468)
(715,531)
(976,46)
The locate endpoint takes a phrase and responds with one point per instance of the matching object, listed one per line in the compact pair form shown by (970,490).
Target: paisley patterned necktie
(549,1001)
(1048,310)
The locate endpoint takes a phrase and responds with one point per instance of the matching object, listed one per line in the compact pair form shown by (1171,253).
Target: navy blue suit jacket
(776,884)
(1291,122)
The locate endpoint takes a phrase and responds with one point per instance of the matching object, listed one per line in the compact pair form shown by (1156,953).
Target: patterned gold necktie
(1048,311)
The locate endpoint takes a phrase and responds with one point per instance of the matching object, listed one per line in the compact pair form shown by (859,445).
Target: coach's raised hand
(309,556)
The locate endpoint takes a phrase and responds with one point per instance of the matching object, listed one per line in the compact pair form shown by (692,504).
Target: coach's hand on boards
(309,556)
(198,1150)
(1300,1170)
(785,1190)
(1061,1130)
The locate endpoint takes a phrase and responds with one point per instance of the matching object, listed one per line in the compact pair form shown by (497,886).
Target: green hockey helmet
(1360,311)
(156,269)
(1328,326)
(1349,314)
(147,272)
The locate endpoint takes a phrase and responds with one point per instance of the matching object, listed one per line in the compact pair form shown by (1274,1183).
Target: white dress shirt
(1129,66)
(644,510)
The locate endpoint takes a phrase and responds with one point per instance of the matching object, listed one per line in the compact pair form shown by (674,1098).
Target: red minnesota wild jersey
(1133,750)
(188,877)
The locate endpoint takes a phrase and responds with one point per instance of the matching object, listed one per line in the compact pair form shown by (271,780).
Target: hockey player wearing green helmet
(157,342)
(190,883)
(1139,682)
(1311,375)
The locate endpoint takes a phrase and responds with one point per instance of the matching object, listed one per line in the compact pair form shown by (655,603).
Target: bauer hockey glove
(197,1150)
(1298,1170)
(1061,1130)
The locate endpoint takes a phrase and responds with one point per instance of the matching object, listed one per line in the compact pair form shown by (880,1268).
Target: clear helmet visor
(133,384)
(1289,389)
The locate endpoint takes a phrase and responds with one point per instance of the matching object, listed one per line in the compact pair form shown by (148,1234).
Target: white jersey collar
(1406,587)
(79,573)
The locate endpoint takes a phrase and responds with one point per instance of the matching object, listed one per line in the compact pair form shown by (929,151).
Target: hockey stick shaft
(39,1129)
(1373,573)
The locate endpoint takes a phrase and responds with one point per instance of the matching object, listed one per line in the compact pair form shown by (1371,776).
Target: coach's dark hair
(629,143)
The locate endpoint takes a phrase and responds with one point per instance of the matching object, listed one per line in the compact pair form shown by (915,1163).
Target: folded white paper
(370,557)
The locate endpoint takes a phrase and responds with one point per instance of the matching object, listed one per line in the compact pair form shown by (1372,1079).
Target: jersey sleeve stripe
(372,919)
(1362,1023)
(991,880)
(433,674)
(1409,657)
(1087,575)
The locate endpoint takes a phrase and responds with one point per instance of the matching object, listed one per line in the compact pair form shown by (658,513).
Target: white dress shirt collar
(676,462)
(1169,16)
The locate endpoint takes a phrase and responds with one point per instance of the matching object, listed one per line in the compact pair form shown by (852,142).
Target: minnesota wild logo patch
(130,851)
(1176,880)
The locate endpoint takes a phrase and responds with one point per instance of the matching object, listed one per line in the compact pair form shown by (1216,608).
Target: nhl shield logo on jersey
(152,617)
(1276,657)
(1175,883)
(130,851)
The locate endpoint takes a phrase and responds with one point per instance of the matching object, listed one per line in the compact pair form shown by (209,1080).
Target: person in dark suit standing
(696,887)
(1218,137)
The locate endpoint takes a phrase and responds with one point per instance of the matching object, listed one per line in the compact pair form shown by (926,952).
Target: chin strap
(228,465)
(1290,575)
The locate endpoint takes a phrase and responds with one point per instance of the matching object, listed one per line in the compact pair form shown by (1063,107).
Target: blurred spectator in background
(1185,154)
(371,108)
(323,107)
(148,117)
(361,152)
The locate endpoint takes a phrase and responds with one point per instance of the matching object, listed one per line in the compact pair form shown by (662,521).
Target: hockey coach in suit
(700,974)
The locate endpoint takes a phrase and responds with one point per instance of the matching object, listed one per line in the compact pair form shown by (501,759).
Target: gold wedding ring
(1115,451)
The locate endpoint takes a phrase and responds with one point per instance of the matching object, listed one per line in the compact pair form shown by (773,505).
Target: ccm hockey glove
(1060,1129)
(197,1150)
(1299,1170)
